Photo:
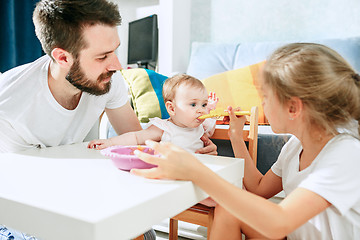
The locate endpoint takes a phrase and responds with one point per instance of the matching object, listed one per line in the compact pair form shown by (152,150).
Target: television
(143,42)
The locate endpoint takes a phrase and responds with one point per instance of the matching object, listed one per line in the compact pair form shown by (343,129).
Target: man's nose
(114,64)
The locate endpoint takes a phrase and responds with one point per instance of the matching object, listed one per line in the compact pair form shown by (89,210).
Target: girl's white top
(335,175)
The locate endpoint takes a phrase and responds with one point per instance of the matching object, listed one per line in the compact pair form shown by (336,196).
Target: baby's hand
(100,144)
(212,101)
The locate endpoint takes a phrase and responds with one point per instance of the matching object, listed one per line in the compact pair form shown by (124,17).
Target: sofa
(209,59)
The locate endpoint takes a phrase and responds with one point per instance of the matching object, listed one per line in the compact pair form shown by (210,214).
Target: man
(56,99)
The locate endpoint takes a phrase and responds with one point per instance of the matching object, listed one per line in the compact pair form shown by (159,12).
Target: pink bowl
(123,157)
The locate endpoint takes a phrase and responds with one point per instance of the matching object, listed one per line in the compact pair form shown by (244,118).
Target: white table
(74,193)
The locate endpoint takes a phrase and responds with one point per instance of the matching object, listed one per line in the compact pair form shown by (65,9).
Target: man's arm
(123,119)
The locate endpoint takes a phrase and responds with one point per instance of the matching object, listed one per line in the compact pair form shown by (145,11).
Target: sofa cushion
(250,53)
(238,88)
(207,59)
(146,93)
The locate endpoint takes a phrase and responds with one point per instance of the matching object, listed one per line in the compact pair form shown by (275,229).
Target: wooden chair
(141,237)
(201,214)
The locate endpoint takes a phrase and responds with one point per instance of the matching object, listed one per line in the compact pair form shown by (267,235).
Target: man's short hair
(60,23)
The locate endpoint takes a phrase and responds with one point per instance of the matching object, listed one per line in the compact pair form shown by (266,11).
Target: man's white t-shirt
(31,117)
(335,175)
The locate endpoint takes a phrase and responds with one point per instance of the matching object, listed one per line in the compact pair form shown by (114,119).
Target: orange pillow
(238,88)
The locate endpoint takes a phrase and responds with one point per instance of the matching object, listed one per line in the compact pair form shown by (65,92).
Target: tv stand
(147,65)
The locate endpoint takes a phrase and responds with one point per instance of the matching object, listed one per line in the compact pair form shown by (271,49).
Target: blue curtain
(18,42)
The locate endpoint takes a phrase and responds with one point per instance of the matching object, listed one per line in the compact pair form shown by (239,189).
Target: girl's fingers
(147,157)
(231,113)
(151,143)
(154,145)
(164,148)
(147,173)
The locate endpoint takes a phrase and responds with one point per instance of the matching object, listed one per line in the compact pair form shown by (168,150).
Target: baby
(185,99)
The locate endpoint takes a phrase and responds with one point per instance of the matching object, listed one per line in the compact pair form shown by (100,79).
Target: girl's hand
(236,123)
(212,101)
(174,163)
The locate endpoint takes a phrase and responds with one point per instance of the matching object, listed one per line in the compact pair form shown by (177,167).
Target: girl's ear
(170,107)
(62,57)
(295,107)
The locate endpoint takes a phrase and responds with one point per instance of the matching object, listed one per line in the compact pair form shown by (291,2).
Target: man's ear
(170,107)
(62,57)
(295,107)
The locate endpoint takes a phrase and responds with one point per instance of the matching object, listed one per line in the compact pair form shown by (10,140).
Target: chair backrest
(250,136)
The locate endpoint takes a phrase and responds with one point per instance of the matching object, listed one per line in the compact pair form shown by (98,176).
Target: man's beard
(78,79)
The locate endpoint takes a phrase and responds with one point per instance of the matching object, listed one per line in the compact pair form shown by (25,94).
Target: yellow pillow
(238,88)
(146,93)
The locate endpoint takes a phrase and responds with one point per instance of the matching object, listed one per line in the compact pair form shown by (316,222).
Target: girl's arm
(268,218)
(272,220)
(263,185)
(130,138)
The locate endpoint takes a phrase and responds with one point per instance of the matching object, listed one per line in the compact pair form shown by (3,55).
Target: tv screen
(143,41)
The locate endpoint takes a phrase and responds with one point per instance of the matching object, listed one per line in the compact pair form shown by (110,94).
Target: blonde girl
(311,92)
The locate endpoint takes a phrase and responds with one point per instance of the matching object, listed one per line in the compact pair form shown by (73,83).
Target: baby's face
(190,103)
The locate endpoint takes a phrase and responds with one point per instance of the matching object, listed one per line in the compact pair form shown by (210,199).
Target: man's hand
(209,147)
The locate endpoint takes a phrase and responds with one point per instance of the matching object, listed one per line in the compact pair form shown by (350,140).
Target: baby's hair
(326,84)
(172,84)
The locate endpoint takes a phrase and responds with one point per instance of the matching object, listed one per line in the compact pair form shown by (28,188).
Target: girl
(311,92)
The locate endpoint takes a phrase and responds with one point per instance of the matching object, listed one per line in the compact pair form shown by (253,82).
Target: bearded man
(57,99)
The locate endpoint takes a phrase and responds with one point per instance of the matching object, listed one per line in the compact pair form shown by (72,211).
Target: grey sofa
(208,59)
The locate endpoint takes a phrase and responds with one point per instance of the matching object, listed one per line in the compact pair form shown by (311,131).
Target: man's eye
(102,58)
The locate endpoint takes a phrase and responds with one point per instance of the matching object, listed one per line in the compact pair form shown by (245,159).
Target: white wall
(129,11)
(174,36)
(184,21)
(174,31)
(264,20)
